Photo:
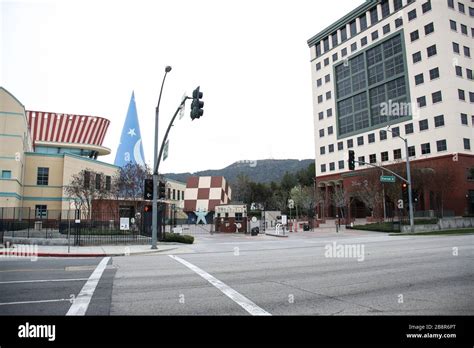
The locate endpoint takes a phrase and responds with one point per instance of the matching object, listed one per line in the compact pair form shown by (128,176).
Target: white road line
(29,302)
(82,301)
(43,281)
(241,300)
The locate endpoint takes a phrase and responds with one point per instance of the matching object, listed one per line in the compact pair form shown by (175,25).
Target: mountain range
(263,171)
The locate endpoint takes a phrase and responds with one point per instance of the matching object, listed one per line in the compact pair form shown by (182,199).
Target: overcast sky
(250,58)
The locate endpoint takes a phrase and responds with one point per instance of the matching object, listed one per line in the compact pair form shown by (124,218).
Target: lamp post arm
(383,168)
(167,132)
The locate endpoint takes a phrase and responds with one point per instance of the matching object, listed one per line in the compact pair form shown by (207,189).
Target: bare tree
(85,187)
(368,190)
(340,199)
(129,181)
(438,183)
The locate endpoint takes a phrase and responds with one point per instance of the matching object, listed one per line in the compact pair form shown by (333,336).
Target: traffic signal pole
(154,209)
(168,130)
(196,112)
(410,195)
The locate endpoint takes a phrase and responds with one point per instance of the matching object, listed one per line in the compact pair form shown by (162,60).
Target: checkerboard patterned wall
(205,192)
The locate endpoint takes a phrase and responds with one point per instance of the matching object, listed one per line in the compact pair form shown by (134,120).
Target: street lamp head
(168,69)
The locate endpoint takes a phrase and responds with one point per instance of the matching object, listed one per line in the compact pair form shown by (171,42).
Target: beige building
(40,151)
(175,198)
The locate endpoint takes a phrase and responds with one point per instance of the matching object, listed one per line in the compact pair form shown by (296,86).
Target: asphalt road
(48,286)
(244,275)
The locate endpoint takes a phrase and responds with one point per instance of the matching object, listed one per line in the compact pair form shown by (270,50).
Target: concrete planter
(443,224)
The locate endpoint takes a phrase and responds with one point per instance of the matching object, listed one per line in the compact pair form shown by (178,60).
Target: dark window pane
(353,28)
(416,57)
(397,4)
(423,125)
(374,18)
(429,28)
(434,73)
(431,51)
(441,145)
(426,6)
(363,22)
(439,121)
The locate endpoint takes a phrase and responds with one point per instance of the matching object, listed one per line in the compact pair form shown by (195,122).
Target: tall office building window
(363,22)
(374,17)
(397,4)
(425,149)
(426,6)
(441,145)
(334,39)
(343,34)
(363,103)
(353,28)
(385,8)
(467,143)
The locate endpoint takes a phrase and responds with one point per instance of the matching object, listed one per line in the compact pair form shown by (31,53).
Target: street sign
(291,203)
(124,224)
(165,150)
(387,178)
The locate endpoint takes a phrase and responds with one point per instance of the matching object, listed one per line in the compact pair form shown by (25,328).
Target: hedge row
(178,238)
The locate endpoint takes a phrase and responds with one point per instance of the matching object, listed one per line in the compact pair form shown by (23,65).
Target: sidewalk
(26,250)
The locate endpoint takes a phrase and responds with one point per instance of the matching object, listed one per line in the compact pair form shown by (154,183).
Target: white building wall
(448,83)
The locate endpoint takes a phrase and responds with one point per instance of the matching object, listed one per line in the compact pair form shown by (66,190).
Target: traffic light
(197,104)
(148,190)
(148,208)
(405,193)
(351,160)
(161,190)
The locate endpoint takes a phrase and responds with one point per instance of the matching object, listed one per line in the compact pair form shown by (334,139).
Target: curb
(276,235)
(3,253)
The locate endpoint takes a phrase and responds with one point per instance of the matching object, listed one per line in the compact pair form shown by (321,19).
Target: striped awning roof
(66,128)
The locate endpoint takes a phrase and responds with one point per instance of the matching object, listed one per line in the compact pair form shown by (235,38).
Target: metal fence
(73,227)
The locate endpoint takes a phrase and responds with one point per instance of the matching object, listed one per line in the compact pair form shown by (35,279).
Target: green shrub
(178,238)
(376,227)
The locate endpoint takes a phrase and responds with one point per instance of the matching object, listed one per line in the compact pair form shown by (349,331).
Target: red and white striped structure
(66,128)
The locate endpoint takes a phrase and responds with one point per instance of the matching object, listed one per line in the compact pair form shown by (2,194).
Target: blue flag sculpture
(130,149)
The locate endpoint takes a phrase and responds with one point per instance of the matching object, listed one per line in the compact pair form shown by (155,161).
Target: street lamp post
(154,233)
(410,197)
